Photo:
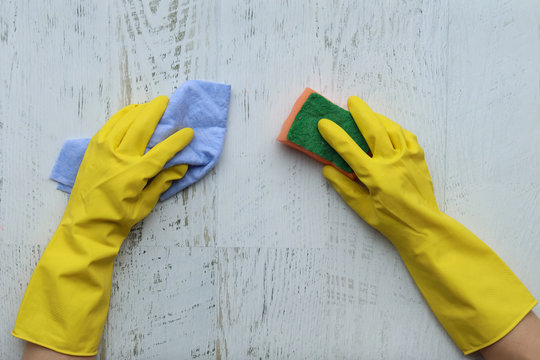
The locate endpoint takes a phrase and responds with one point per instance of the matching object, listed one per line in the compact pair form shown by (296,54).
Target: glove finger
(345,146)
(161,183)
(110,124)
(412,141)
(394,131)
(371,127)
(158,156)
(142,127)
(354,194)
(118,131)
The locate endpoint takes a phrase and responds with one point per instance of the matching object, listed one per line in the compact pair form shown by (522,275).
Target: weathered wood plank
(17,261)
(156,47)
(493,173)
(163,304)
(271,304)
(267,52)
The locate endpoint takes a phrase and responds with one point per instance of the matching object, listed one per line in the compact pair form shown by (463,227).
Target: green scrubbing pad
(302,132)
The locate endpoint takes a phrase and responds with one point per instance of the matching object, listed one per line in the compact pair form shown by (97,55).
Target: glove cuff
(473,293)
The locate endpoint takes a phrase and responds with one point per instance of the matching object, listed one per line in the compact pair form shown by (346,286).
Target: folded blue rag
(200,105)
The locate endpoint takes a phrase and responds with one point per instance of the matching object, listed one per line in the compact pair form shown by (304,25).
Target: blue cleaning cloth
(200,105)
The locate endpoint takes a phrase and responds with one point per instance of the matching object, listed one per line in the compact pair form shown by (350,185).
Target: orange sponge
(300,130)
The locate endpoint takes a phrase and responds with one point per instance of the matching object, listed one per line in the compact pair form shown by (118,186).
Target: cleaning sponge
(300,131)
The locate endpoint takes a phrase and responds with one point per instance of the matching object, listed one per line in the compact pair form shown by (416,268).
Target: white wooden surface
(261,259)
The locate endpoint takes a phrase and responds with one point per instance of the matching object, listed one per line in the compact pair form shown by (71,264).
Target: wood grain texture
(493,182)
(164,304)
(261,258)
(265,314)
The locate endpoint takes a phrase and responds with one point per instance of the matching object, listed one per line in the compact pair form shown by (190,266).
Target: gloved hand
(67,299)
(470,289)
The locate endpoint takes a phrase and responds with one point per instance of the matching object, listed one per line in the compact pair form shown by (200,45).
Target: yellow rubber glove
(67,299)
(470,289)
